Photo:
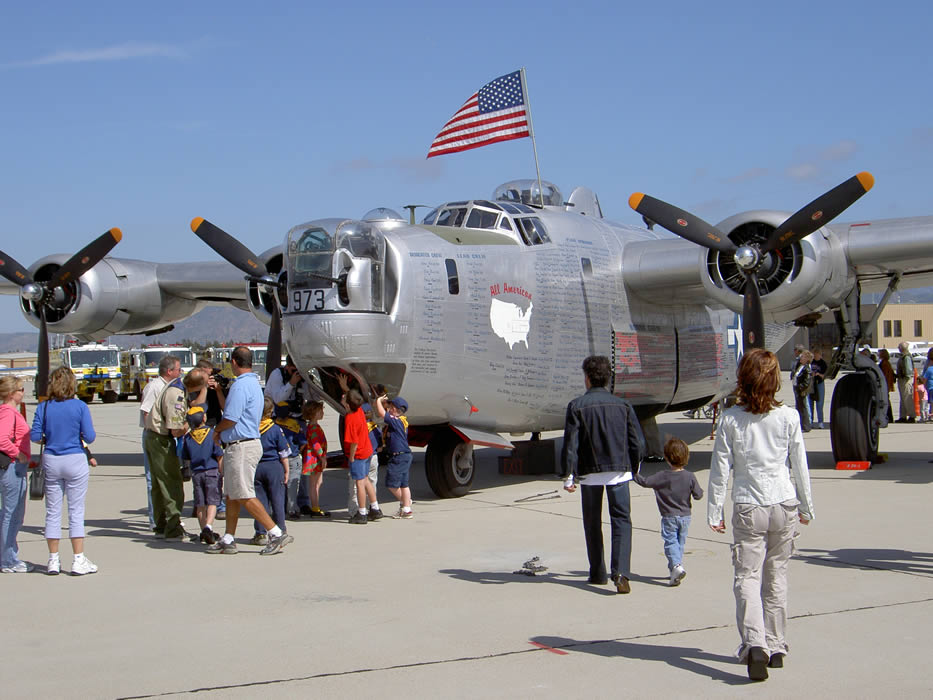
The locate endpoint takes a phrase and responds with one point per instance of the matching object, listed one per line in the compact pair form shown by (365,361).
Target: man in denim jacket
(603,446)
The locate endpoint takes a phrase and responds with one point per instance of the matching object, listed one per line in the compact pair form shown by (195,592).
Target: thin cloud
(747,176)
(842,150)
(120,52)
(412,169)
(815,167)
(803,171)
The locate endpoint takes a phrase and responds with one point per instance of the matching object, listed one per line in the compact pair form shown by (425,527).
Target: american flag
(497,112)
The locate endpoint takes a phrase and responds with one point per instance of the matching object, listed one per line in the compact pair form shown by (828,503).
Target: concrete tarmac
(430,607)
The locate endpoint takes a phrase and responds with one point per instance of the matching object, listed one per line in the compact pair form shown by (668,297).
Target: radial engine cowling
(260,297)
(805,277)
(115,296)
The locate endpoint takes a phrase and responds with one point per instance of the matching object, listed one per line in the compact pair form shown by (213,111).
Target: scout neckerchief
(265,424)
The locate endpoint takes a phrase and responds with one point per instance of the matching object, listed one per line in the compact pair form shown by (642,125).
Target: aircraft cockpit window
(310,253)
(431,217)
(480,218)
(504,223)
(452,217)
(487,204)
(532,230)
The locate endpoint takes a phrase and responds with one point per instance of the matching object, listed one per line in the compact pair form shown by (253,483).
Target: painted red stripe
(474,126)
(547,648)
(468,146)
(494,131)
(466,120)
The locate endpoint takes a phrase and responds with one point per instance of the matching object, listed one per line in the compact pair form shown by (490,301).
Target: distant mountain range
(210,326)
(215,325)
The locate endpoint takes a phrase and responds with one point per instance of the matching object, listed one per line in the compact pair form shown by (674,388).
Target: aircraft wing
(814,277)
(125,296)
(877,250)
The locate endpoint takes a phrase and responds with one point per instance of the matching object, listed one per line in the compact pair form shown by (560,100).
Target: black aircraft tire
(109,397)
(440,460)
(852,430)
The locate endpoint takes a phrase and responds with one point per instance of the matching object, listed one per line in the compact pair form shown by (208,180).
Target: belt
(403,452)
(234,442)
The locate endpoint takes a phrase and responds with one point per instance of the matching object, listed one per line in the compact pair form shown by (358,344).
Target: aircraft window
(587,268)
(482,219)
(516,208)
(533,230)
(315,240)
(505,223)
(453,279)
(451,217)
(484,203)
(430,218)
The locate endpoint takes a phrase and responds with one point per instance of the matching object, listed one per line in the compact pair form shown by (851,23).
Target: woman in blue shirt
(63,422)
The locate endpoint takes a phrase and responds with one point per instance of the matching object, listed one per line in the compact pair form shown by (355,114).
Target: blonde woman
(63,422)
(15,449)
(757,439)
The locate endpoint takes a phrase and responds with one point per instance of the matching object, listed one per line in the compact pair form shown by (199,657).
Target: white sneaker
(677,575)
(54,567)
(84,566)
(21,567)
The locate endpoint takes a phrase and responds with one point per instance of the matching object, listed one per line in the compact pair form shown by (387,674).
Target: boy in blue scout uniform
(205,459)
(397,451)
(293,428)
(271,472)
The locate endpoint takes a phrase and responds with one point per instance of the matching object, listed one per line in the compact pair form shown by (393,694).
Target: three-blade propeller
(42,294)
(241,257)
(750,257)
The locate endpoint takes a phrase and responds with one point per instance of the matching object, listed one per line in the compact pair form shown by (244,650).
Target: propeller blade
(753,323)
(42,376)
(13,271)
(274,344)
(227,247)
(681,222)
(86,258)
(819,212)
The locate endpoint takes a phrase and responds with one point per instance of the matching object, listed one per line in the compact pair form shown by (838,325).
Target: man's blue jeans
(674,533)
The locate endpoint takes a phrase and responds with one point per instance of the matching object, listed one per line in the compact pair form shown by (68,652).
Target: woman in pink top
(15,449)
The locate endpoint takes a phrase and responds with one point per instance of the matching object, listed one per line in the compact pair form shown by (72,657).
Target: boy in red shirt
(358,449)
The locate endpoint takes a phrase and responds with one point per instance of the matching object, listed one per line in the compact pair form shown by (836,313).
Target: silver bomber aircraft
(481,314)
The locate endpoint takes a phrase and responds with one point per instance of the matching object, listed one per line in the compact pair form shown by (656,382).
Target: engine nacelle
(806,277)
(115,296)
(261,298)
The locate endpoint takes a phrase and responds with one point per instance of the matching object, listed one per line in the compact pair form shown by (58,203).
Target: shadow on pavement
(686,658)
(886,559)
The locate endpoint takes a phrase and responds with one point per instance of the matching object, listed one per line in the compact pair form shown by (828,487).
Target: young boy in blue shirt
(205,458)
(673,489)
(397,451)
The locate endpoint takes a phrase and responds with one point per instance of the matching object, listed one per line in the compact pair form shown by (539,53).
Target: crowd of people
(249,451)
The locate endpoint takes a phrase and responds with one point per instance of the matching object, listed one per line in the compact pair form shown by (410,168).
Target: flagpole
(531,132)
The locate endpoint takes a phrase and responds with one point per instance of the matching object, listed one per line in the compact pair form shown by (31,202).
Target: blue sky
(143,116)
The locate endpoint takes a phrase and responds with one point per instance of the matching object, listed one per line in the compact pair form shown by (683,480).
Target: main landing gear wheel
(449,465)
(853,429)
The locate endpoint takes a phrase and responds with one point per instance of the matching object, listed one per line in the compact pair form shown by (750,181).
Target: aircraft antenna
(531,132)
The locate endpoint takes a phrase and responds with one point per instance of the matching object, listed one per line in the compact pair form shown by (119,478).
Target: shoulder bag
(37,473)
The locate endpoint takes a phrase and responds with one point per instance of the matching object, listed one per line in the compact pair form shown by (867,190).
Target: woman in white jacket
(760,440)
